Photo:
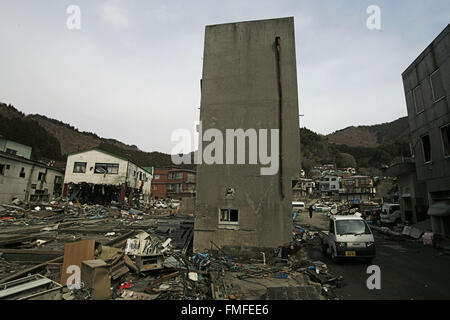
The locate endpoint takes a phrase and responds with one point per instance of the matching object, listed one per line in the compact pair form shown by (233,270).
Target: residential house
(357,189)
(97,176)
(15,148)
(302,188)
(27,180)
(329,184)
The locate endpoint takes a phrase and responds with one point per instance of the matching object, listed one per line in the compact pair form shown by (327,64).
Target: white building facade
(112,176)
(28,180)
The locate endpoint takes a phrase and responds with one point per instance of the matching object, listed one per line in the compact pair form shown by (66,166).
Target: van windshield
(351,227)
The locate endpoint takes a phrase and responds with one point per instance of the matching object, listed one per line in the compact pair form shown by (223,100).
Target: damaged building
(27,180)
(96,176)
(249,82)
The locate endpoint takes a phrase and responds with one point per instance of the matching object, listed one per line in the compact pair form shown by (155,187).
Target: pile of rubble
(65,250)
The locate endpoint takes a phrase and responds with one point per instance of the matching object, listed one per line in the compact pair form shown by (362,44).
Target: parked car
(390,213)
(298,206)
(348,237)
(321,208)
(160,204)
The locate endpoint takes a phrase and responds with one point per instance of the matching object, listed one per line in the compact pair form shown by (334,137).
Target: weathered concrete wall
(436,113)
(12,185)
(240,90)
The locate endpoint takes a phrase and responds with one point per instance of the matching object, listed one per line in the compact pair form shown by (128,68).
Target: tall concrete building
(249,82)
(427,88)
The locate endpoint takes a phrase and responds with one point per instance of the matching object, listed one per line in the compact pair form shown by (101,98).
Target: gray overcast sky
(133,70)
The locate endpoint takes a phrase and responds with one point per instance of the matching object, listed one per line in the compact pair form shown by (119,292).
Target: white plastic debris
(166,243)
(193,276)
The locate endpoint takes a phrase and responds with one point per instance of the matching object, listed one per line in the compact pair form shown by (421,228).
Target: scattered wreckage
(66,250)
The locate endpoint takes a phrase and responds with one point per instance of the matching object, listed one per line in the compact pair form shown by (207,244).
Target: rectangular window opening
(445,134)
(228,215)
(426,145)
(79,167)
(107,168)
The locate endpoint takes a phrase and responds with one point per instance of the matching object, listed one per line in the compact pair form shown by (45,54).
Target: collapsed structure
(95,176)
(249,82)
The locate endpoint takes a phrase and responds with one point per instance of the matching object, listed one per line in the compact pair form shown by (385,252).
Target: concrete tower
(249,82)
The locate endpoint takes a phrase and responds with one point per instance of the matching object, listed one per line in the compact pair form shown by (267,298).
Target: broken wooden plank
(29,270)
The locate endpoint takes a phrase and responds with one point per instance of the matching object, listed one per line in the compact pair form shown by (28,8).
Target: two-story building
(27,180)
(97,176)
(357,189)
(329,184)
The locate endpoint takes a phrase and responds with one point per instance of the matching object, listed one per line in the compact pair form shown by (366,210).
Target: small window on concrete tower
(22,173)
(229,215)
(445,133)
(426,145)
(2,169)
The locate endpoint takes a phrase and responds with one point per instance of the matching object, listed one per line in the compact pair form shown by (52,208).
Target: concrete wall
(12,185)
(22,150)
(240,90)
(436,113)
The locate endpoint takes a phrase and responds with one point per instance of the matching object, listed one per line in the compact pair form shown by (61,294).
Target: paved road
(409,270)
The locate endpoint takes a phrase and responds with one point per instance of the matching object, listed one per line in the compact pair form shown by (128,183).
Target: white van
(298,206)
(348,237)
(390,213)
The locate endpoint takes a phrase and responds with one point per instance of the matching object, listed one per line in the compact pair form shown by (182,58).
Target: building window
(437,89)
(445,134)
(426,145)
(33,186)
(191,177)
(418,99)
(229,216)
(2,169)
(156,176)
(79,167)
(41,176)
(179,175)
(171,176)
(107,168)
(11,151)
(169,187)
(22,173)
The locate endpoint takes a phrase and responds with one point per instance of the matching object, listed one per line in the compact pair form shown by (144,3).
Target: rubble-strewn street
(404,274)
